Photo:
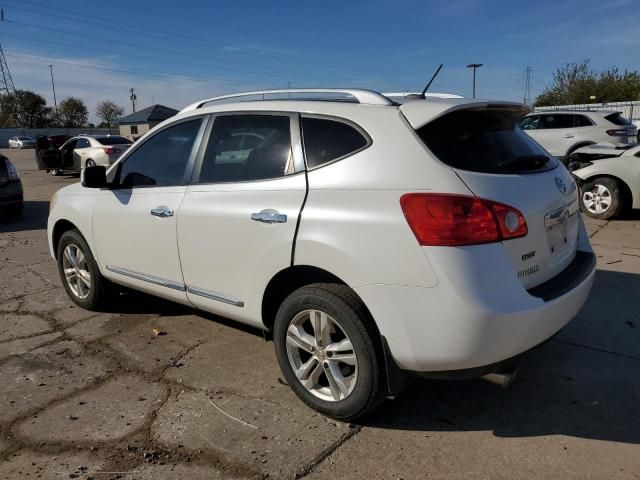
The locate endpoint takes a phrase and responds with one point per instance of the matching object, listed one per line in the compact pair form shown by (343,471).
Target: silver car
(609,178)
(21,142)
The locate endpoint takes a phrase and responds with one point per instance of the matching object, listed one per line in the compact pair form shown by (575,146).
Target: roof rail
(362,96)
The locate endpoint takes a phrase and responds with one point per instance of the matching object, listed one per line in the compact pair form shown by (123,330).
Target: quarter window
(162,160)
(582,121)
(247,147)
(326,140)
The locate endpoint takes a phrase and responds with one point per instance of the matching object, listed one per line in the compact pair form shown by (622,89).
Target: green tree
(73,113)
(108,111)
(578,82)
(24,109)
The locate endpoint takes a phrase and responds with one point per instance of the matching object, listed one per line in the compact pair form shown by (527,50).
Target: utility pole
(133,98)
(53,86)
(527,85)
(474,66)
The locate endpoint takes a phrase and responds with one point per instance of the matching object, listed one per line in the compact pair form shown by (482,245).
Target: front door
(134,223)
(238,219)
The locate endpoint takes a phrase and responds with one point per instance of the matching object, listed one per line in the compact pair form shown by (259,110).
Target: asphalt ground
(99,395)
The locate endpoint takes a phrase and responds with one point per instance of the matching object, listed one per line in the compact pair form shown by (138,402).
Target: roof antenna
(424,92)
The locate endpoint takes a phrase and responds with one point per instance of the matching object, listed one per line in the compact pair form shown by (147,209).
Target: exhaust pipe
(502,378)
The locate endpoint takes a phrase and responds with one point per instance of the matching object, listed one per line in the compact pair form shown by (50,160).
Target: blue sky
(174,53)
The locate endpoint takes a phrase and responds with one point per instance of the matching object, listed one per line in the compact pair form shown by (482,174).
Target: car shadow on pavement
(584,383)
(33,217)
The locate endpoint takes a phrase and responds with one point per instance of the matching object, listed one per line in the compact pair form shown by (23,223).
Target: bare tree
(108,111)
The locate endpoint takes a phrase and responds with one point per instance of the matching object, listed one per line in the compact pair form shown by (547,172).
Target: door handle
(269,217)
(162,212)
(568,136)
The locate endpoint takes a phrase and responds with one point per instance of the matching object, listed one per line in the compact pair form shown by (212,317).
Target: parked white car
(22,142)
(609,178)
(563,132)
(80,152)
(373,239)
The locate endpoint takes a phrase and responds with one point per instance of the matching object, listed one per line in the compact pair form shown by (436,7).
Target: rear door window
(327,140)
(556,121)
(486,142)
(582,121)
(247,147)
(83,143)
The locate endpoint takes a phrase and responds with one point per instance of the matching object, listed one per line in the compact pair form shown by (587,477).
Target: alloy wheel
(321,355)
(597,200)
(76,271)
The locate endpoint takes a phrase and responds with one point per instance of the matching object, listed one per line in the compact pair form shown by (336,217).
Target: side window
(557,121)
(247,147)
(325,140)
(162,160)
(530,123)
(582,121)
(83,143)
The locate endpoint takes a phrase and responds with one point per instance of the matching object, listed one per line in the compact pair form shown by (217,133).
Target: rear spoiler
(419,112)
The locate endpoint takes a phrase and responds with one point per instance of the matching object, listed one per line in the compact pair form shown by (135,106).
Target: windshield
(485,141)
(114,140)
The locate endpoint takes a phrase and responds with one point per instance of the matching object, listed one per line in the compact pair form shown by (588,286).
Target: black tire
(100,290)
(615,195)
(341,303)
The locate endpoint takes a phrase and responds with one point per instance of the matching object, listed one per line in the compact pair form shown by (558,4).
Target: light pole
(474,66)
(53,86)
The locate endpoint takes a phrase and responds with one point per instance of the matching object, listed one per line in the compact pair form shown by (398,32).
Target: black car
(11,198)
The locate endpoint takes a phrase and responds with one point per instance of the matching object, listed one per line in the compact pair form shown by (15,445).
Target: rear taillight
(618,132)
(11,171)
(110,150)
(449,220)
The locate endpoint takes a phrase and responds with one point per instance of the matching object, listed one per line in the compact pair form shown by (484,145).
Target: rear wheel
(79,272)
(602,198)
(328,351)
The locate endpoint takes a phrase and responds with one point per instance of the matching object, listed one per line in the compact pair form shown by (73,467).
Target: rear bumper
(479,314)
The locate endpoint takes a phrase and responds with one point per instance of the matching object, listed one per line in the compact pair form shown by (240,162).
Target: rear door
(557,133)
(238,220)
(499,162)
(81,152)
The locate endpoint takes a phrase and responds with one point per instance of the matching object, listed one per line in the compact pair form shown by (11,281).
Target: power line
(97,66)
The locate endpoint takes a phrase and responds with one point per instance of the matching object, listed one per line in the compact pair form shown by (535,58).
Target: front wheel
(602,198)
(329,352)
(79,272)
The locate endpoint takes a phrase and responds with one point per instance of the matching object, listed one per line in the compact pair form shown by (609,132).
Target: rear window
(486,142)
(114,140)
(618,119)
(327,140)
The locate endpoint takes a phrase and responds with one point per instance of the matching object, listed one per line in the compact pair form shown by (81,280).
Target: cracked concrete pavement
(98,395)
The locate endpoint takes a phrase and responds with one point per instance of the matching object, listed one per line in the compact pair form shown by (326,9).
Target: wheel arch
(61,226)
(286,281)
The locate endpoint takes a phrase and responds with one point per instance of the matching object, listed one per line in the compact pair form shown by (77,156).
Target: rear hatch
(625,131)
(499,162)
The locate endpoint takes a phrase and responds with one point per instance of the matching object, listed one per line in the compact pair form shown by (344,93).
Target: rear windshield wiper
(532,162)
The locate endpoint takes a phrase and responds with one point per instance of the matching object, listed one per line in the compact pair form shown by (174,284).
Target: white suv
(563,132)
(374,239)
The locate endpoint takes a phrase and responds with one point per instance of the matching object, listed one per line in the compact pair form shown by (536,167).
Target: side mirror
(94,177)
